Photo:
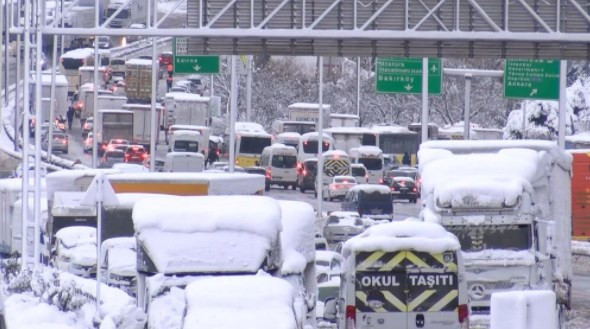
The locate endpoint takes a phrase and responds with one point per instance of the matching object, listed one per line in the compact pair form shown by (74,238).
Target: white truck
(78,17)
(187,109)
(302,118)
(111,102)
(509,204)
(142,123)
(113,124)
(344,120)
(135,11)
(61,93)
(85,104)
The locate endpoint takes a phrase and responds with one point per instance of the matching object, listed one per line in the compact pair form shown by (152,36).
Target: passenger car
(360,173)
(338,187)
(342,225)
(328,264)
(118,263)
(104,42)
(306,175)
(110,157)
(88,141)
(404,188)
(59,142)
(135,154)
(255,170)
(118,144)
(87,126)
(370,200)
(402,172)
(75,250)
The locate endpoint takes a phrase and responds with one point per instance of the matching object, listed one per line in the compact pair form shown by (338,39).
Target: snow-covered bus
(346,138)
(308,146)
(398,142)
(372,158)
(71,62)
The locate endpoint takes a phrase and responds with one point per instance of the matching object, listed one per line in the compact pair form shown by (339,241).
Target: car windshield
(401,173)
(372,163)
(376,196)
(485,237)
(284,161)
(322,263)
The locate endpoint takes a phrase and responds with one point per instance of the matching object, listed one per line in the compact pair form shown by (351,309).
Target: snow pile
(345,218)
(298,236)
(526,310)
(246,302)
(490,180)
(166,311)
(76,235)
(405,235)
(209,233)
(24,311)
(368,151)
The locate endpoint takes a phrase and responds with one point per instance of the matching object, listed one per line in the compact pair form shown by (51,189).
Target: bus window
(371,163)
(369,140)
(253,145)
(392,144)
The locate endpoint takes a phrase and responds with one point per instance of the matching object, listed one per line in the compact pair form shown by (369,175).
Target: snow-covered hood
(83,255)
(122,262)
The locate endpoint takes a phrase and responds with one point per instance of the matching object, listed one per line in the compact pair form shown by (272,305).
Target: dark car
(135,154)
(306,175)
(369,200)
(401,172)
(255,170)
(404,188)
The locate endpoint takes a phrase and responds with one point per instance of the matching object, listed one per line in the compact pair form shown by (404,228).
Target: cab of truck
(406,274)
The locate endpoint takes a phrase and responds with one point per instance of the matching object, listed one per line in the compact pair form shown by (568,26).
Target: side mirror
(330,309)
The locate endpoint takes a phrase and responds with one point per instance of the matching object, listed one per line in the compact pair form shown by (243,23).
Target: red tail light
(350,317)
(144,156)
(381,180)
(415,189)
(463,313)
(64,141)
(304,172)
(299,165)
(392,188)
(268,173)
(218,152)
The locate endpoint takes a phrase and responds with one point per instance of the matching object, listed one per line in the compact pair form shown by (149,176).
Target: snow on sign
(531,79)
(185,63)
(404,75)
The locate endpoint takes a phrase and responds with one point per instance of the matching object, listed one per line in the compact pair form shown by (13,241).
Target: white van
(280,162)
(372,158)
(406,274)
(184,162)
(187,141)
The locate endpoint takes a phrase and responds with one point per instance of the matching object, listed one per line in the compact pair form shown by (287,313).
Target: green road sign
(196,64)
(404,75)
(532,79)
(184,63)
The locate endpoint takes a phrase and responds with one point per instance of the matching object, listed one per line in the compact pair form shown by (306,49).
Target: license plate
(277,177)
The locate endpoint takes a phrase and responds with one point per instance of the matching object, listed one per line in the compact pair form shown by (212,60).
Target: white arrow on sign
(408,87)
(533,92)
(433,69)
(197,68)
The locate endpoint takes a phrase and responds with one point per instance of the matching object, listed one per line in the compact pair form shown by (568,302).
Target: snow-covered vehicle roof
(76,235)
(335,153)
(189,97)
(582,137)
(348,130)
(326,255)
(367,150)
(73,180)
(404,235)
(60,80)
(402,179)
(489,174)
(298,235)
(139,62)
(79,53)
(68,204)
(208,233)
(130,167)
(249,126)
(249,302)
(371,188)
(289,135)
(314,136)
(181,132)
(391,129)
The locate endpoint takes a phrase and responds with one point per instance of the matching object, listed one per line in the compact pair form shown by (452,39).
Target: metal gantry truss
(417,28)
